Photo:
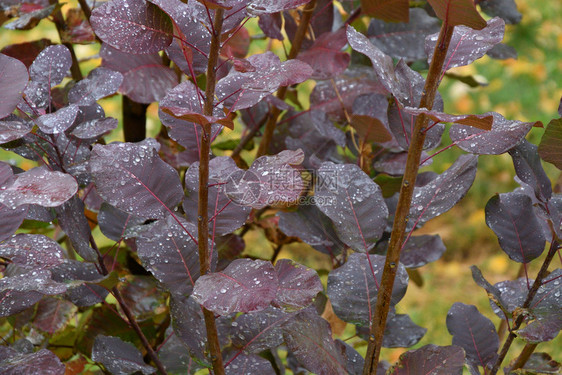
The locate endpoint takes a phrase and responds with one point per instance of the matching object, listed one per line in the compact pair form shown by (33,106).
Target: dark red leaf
(249,364)
(43,362)
(421,250)
(13,79)
(59,121)
(260,330)
(101,82)
(118,356)
(528,167)
(79,30)
(32,251)
(325,56)
(115,223)
(549,148)
(298,285)
(483,122)
(473,332)
(517,228)
(244,286)
(145,78)
(357,306)
(11,219)
(29,17)
(12,128)
(26,52)
(354,203)
(53,314)
(258,7)
(134,179)
(74,223)
(133,26)
(458,12)
(81,294)
(430,359)
(51,65)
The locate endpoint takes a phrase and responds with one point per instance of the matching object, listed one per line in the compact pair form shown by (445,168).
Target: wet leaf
(249,364)
(458,12)
(468,44)
(101,82)
(309,338)
(404,40)
(39,186)
(42,362)
(528,168)
(244,286)
(118,356)
(502,51)
(134,179)
(11,219)
(325,56)
(74,223)
(538,363)
(473,332)
(421,250)
(354,203)
(132,26)
(189,326)
(430,359)
(12,128)
(28,20)
(51,66)
(59,121)
(549,148)
(260,330)
(32,251)
(444,191)
(506,9)
(483,122)
(353,288)
(72,272)
(298,285)
(13,79)
(170,254)
(115,223)
(239,90)
(401,332)
(90,131)
(145,78)
(144,296)
(519,232)
(26,52)
(259,7)
(53,314)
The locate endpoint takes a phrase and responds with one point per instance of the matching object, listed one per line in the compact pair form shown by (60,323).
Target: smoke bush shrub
(177,292)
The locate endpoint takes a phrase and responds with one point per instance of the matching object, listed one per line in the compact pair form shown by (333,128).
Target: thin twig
(404,202)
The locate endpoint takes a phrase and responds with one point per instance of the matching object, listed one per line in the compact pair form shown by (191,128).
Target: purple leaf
(421,250)
(518,230)
(115,223)
(506,9)
(13,79)
(134,179)
(545,326)
(224,215)
(270,180)
(189,326)
(259,7)
(408,90)
(349,197)
(401,332)
(11,219)
(81,294)
(549,148)
(90,131)
(27,21)
(144,296)
(32,251)
(244,286)
(502,52)
(74,223)
(354,362)
(260,330)
(375,108)
(298,285)
(468,44)
(473,332)
(430,359)
(352,83)
(53,314)
(189,107)
(528,168)
(39,186)
(458,12)
(58,122)
(403,40)
(249,364)
(309,338)
(240,90)
(394,164)
(313,227)
(12,127)
(17,293)
(494,294)
(365,275)
(382,63)
(118,356)
(26,52)
(101,82)
(51,66)
(539,363)
(145,78)
(325,56)
(173,355)
(505,134)
(133,26)
(483,122)
(442,193)
(43,362)
(170,253)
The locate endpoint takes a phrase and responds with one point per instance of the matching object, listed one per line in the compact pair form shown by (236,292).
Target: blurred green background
(528,89)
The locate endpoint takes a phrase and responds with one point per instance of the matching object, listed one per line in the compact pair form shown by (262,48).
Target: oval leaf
(430,360)
(298,285)
(119,357)
(549,148)
(13,79)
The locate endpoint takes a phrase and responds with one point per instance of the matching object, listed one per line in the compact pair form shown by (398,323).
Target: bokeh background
(527,89)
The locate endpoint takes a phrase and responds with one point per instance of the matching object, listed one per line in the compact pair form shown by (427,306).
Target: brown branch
(295,48)
(543,272)
(524,356)
(203,203)
(378,321)
(128,313)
